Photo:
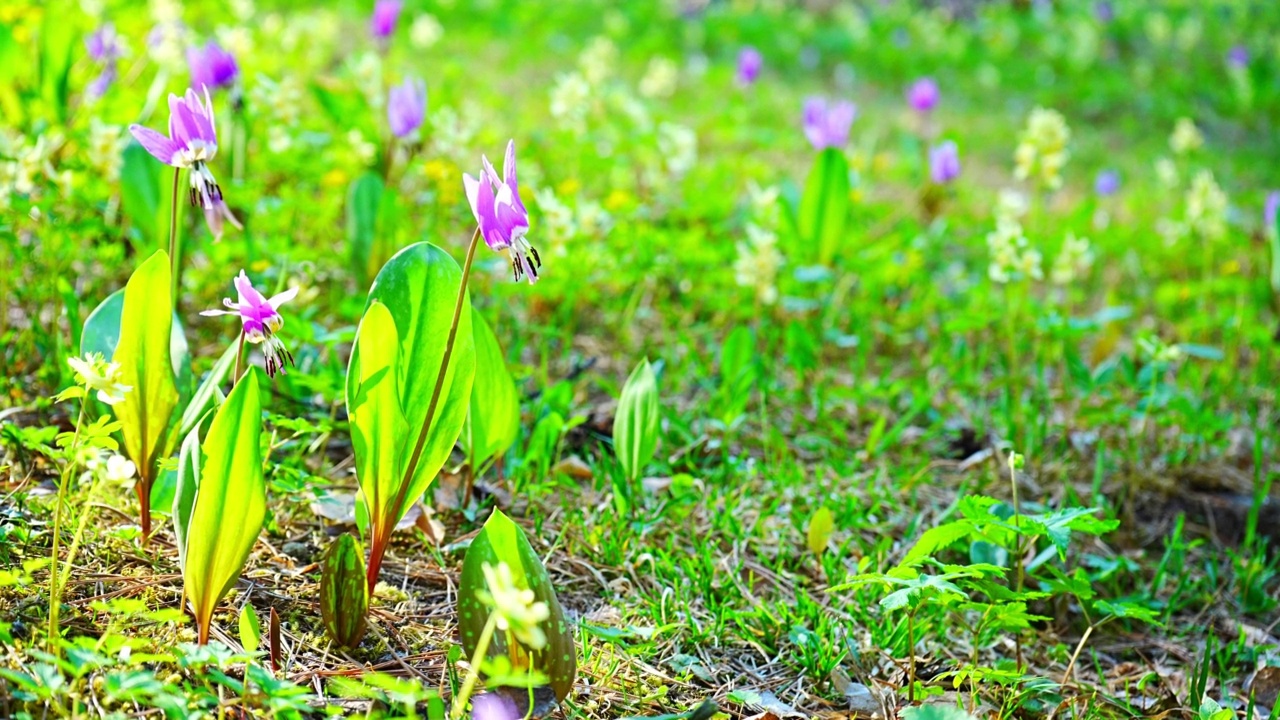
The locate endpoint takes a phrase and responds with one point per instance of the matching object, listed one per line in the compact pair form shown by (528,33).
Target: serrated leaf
(824,207)
(635,426)
(937,538)
(493,419)
(344,594)
(230,503)
(502,541)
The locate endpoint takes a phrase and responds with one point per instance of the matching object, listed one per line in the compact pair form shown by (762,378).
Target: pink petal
(160,147)
(249,295)
(281,298)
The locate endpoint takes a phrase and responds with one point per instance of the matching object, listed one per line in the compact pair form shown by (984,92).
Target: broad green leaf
(494,416)
(207,394)
(184,492)
(502,541)
(145,357)
(363,199)
(230,504)
(419,287)
(101,334)
(344,594)
(379,432)
(824,207)
(821,526)
(250,629)
(140,181)
(635,425)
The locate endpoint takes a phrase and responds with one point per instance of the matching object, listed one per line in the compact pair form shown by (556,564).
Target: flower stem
(173,239)
(378,547)
(55,591)
(473,673)
(235,374)
(1017,546)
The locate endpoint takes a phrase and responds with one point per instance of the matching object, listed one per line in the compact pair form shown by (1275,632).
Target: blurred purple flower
(260,320)
(923,95)
(212,67)
(750,62)
(944,163)
(1107,183)
(215,216)
(502,217)
(1104,12)
(103,82)
(827,124)
(1270,210)
(385,15)
(1238,56)
(192,143)
(406,107)
(103,44)
(491,706)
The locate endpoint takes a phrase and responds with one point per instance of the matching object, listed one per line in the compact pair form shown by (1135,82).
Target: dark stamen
(536,259)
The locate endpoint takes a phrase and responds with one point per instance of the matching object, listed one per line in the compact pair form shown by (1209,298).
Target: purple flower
(1104,12)
(750,63)
(260,319)
(827,124)
(212,67)
(1270,210)
(944,162)
(1107,183)
(491,706)
(406,107)
(192,143)
(923,95)
(502,217)
(1238,57)
(103,44)
(215,216)
(103,82)
(385,15)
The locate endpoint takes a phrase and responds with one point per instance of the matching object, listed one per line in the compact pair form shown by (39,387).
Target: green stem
(235,374)
(173,239)
(55,592)
(393,516)
(473,673)
(1015,401)
(1017,546)
(911,652)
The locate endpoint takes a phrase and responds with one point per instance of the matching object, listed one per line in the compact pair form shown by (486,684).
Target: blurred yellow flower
(1042,149)
(334,178)
(568,186)
(617,200)
(1186,137)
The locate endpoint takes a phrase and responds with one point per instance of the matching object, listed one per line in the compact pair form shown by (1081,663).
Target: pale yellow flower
(517,609)
(95,373)
(1186,137)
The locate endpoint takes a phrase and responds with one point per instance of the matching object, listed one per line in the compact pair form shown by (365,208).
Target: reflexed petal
(281,298)
(160,147)
(249,295)
(472,188)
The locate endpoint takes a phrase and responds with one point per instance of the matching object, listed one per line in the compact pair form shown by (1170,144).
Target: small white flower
(119,470)
(425,31)
(1186,137)
(660,78)
(95,373)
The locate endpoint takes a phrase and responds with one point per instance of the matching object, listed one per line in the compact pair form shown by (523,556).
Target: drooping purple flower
(260,319)
(103,44)
(406,107)
(216,216)
(944,162)
(212,67)
(492,706)
(192,143)
(827,124)
(1270,210)
(1107,183)
(750,63)
(923,95)
(1238,57)
(1104,11)
(502,217)
(385,15)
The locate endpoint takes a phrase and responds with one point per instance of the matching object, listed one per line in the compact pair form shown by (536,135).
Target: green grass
(889,390)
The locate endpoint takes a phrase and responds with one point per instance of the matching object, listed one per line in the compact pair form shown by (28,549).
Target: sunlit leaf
(494,416)
(502,541)
(821,526)
(635,426)
(824,206)
(250,628)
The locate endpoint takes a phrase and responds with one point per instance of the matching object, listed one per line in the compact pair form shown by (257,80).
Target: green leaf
(344,594)
(493,419)
(937,538)
(379,432)
(635,425)
(140,181)
(824,207)
(419,287)
(502,541)
(820,527)
(144,353)
(230,503)
(207,394)
(363,198)
(250,629)
(57,45)
(101,334)
(184,492)
(936,712)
